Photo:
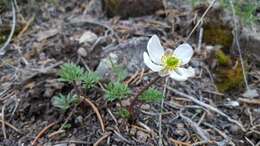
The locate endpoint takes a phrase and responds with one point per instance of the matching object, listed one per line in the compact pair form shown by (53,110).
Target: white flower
(169,62)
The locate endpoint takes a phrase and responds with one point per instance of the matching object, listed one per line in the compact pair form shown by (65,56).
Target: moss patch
(228,73)
(218,34)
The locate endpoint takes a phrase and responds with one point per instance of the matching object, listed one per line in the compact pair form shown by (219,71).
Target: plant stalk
(135,98)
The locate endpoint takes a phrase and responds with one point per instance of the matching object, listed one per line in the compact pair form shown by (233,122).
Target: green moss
(229,78)
(222,58)
(112,6)
(218,34)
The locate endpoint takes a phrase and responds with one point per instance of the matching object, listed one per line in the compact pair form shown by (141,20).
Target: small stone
(145,107)
(250,93)
(125,102)
(132,131)
(88,37)
(61,144)
(82,52)
(141,136)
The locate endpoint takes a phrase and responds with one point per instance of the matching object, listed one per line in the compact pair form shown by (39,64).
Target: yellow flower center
(170,62)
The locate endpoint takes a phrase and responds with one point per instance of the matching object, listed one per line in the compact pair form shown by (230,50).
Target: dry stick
(102,138)
(238,45)
(11,126)
(207,106)
(204,14)
(96,111)
(2,49)
(135,98)
(3,121)
(42,132)
(25,28)
(203,134)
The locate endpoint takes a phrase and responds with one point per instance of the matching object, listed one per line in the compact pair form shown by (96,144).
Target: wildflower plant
(123,113)
(116,91)
(169,62)
(64,102)
(70,72)
(89,79)
(151,95)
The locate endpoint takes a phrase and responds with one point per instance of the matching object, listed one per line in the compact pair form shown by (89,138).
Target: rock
(132,131)
(126,102)
(88,37)
(104,67)
(131,8)
(128,54)
(82,52)
(46,34)
(250,42)
(145,106)
(61,144)
(250,93)
(141,136)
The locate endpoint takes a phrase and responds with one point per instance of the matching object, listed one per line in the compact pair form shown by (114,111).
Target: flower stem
(135,98)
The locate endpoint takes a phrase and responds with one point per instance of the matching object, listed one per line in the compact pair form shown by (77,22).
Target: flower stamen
(169,61)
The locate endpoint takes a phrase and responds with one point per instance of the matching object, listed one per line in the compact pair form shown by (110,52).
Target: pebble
(82,52)
(88,37)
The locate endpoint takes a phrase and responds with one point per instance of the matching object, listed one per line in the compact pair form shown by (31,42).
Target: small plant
(151,95)
(116,91)
(70,72)
(123,113)
(64,102)
(119,72)
(90,79)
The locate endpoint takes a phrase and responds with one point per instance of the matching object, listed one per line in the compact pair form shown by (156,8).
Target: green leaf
(64,102)
(116,91)
(70,72)
(151,95)
(90,79)
(123,113)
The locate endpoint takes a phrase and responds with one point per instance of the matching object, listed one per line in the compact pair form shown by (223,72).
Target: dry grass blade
(40,134)
(101,138)
(11,126)
(179,143)
(3,122)
(96,111)
(207,107)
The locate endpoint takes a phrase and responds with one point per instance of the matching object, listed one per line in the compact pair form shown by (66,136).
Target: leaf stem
(135,98)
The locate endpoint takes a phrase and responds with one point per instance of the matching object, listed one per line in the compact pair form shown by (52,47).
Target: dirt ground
(195,112)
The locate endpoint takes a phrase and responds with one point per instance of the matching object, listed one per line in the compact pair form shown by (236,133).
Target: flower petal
(155,49)
(184,52)
(182,74)
(178,77)
(150,64)
(188,72)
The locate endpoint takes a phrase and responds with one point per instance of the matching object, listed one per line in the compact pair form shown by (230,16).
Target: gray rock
(250,40)
(88,37)
(129,54)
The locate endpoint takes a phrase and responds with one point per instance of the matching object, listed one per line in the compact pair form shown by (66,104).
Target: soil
(29,80)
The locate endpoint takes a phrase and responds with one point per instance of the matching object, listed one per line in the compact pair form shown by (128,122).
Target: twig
(29,22)
(177,142)
(250,101)
(160,114)
(102,138)
(135,98)
(2,49)
(207,106)
(202,17)
(96,111)
(3,121)
(238,45)
(11,126)
(203,134)
(40,134)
